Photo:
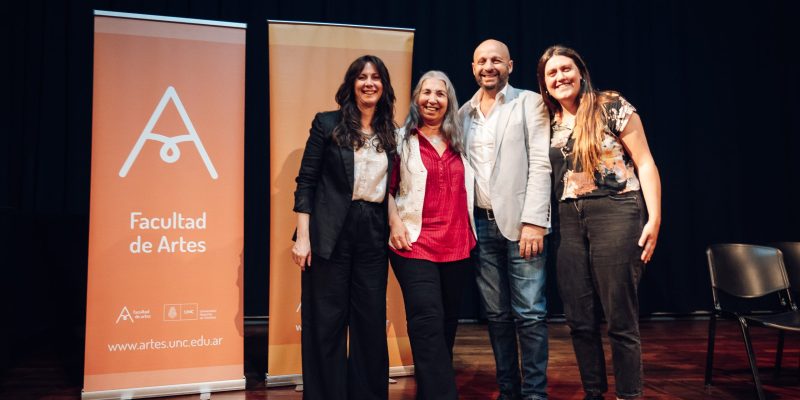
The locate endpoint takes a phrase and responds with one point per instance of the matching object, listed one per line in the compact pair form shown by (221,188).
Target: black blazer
(325,184)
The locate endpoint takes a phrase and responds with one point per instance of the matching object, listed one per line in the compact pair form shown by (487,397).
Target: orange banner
(164,297)
(307,63)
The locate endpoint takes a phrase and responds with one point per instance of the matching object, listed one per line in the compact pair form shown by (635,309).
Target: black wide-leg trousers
(343,294)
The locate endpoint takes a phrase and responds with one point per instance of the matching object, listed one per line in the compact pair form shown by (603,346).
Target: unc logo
(170,152)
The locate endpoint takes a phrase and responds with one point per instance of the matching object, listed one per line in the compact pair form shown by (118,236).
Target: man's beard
(499,84)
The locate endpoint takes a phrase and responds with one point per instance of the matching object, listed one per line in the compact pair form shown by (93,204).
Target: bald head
(492,45)
(491,65)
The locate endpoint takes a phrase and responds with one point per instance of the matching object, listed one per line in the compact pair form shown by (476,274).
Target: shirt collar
(475,101)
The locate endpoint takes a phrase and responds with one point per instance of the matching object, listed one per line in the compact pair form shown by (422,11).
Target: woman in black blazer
(342,225)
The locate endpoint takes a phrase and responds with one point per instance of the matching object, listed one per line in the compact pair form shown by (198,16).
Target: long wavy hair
(348,132)
(590,120)
(451,125)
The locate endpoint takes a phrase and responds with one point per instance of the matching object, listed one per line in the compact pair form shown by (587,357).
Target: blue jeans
(512,292)
(598,266)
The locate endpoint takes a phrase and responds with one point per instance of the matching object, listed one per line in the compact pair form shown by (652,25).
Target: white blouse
(369,183)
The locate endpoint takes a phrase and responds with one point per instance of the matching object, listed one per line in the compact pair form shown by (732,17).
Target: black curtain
(712,81)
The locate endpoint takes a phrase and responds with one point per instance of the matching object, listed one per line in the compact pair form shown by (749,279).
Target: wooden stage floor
(674,363)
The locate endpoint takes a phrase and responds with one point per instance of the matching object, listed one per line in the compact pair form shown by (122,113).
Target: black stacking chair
(791,260)
(749,272)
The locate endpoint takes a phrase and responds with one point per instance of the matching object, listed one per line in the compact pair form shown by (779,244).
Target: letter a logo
(169,151)
(125,315)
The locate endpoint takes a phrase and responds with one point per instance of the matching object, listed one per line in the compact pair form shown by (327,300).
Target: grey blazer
(520,180)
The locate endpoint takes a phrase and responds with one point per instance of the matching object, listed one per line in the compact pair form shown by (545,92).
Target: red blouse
(446,233)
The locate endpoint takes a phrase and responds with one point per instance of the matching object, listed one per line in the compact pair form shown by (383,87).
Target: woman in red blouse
(430,207)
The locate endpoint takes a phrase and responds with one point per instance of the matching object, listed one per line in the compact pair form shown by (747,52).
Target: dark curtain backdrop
(713,83)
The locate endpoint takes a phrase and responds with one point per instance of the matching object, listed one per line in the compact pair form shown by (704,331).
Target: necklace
(434,139)
(369,139)
(428,132)
(567,120)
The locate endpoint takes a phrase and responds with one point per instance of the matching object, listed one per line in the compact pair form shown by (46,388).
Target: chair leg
(751,357)
(712,331)
(779,354)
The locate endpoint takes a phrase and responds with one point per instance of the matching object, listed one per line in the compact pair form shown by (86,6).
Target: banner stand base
(168,390)
(284,380)
(297,379)
(401,370)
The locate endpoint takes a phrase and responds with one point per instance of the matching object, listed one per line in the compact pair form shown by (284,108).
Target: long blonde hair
(590,120)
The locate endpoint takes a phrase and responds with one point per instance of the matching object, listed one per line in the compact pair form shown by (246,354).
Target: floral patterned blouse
(616,172)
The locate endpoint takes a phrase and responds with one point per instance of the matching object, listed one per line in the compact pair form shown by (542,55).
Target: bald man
(507,134)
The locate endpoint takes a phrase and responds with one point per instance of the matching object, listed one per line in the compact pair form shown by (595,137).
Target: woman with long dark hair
(341,207)
(608,201)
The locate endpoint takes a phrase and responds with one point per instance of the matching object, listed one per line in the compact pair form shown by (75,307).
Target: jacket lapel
(503,118)
(348,161)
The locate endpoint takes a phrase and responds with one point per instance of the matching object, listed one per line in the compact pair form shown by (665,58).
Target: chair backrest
(791,260)
(746,271)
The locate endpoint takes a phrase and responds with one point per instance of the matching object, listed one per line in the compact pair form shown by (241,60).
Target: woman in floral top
(607,218)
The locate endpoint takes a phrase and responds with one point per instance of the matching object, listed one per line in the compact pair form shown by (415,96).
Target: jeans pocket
(627,205)
(625,197)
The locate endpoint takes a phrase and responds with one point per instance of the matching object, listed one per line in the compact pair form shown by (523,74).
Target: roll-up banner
(164,297)
(307,65)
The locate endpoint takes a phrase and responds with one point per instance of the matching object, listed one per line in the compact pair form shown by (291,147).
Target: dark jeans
(432,296)
(512,292)
(347,292)
(598,264)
